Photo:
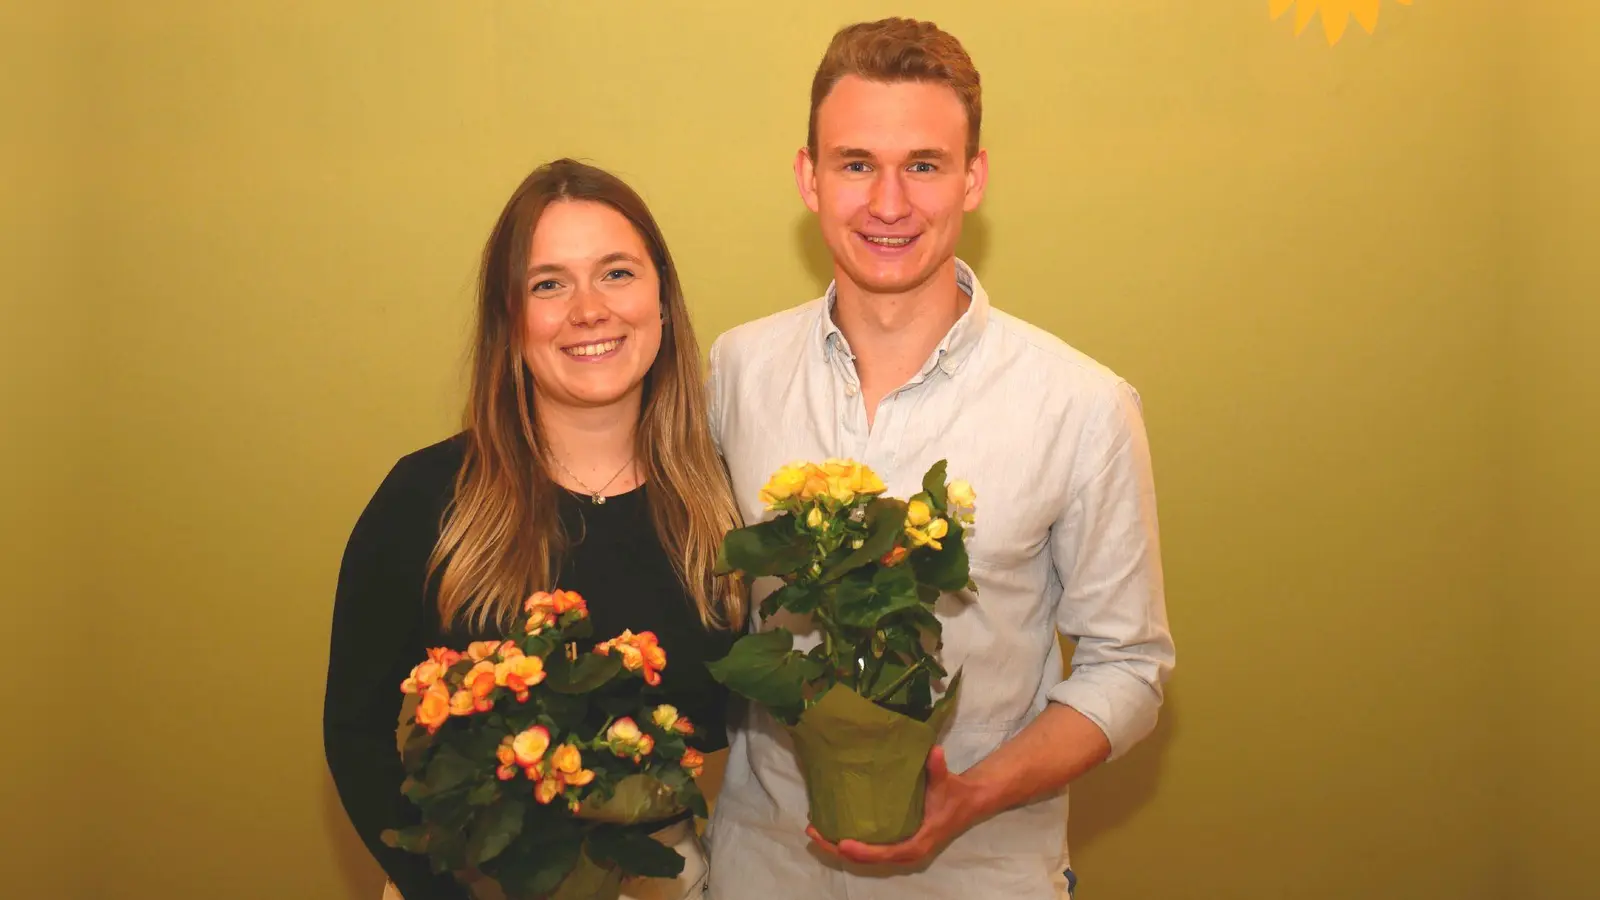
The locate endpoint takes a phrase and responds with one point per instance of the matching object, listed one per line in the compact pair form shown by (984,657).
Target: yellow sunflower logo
(1335,14)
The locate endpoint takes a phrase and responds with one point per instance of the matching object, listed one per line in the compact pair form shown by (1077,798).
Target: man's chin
(897,279)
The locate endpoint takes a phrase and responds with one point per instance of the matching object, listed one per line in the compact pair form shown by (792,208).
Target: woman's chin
(594,396)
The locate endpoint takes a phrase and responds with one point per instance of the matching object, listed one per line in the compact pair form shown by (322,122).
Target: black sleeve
(380,624)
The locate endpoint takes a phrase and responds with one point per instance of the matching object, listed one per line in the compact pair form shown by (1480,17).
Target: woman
(586,463)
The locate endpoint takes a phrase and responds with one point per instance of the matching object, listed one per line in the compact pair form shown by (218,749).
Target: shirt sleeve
(1106,549)
(378,619)
(714,392)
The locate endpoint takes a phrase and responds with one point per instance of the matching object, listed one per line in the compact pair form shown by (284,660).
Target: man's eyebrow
(858,153)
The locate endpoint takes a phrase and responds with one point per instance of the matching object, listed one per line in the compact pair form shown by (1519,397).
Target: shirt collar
(952,351)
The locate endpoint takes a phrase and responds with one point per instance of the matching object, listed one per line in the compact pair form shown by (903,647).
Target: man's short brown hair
(893,50)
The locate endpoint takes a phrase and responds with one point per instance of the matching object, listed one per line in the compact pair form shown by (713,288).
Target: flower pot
(865,767)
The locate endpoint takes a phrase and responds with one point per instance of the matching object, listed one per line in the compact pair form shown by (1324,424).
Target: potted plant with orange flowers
(866,570)
(538,770)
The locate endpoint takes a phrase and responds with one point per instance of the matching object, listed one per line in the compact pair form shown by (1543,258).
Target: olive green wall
(1346,280)
(1549,732)
(50,606)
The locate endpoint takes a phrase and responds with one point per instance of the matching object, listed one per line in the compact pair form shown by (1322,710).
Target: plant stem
(827,637)
(875,667)
(898,682)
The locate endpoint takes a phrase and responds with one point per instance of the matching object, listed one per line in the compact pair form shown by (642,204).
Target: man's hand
(950,806)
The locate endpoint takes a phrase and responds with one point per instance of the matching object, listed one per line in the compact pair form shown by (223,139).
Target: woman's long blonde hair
(502,537)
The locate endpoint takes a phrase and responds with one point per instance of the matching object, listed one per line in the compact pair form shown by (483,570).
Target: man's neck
(892,335)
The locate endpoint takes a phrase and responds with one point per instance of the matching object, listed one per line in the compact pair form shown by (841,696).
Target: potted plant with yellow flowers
(867,570)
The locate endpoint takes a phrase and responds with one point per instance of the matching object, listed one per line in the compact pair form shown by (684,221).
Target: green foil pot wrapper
(589,881)
(865,766)
(636,798)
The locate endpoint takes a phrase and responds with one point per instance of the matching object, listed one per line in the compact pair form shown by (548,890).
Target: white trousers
(691,884)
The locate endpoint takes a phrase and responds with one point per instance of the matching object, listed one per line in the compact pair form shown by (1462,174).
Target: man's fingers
(823,843)
(879,854)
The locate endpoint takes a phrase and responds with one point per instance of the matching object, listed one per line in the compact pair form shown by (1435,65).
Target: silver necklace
(594,495)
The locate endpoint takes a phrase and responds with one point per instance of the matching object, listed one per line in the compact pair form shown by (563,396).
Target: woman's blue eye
(549,284)
(624,273)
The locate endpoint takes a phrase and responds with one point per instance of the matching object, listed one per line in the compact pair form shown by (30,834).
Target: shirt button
(849,390)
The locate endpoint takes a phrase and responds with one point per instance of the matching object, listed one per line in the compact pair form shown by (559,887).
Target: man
(904,362)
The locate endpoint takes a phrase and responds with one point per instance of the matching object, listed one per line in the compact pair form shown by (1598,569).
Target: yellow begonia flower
(434,708)
(548,788)
(693,762)
(918,514)
(960,494)
(478,651)
(785,483)
(567,762)
(924,538)
(530,745)
(665,716)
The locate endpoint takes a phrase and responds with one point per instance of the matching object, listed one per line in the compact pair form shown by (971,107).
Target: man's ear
(805,177)
(977,181)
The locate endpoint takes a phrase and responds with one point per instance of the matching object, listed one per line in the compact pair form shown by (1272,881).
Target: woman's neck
(591,446)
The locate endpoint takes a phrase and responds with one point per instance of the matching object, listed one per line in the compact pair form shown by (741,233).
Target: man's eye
(855,167)
(922,167)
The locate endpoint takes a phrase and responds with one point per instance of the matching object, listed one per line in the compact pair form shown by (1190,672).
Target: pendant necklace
(595,496)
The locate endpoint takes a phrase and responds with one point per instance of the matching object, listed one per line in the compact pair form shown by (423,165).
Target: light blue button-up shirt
(1066,541)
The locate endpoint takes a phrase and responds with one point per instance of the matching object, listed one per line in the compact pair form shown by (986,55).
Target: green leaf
(592,670)
(537,862)
(865,596)
(774,547)
(448,769)
(922,617)
(564,707)
(886,518)
(888,672)
(796,598)
(414,754)
(934,484)
(412,838)
(541,644)
(765,668)
(484,794)
(578,629)
(588,880)
(920,697)
(448,849)
(945,569)
(634,852)
(494,829)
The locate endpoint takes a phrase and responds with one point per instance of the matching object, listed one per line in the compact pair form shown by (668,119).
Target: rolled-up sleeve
(1107,554)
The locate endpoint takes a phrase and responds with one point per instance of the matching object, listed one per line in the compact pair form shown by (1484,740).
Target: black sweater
(385,617)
